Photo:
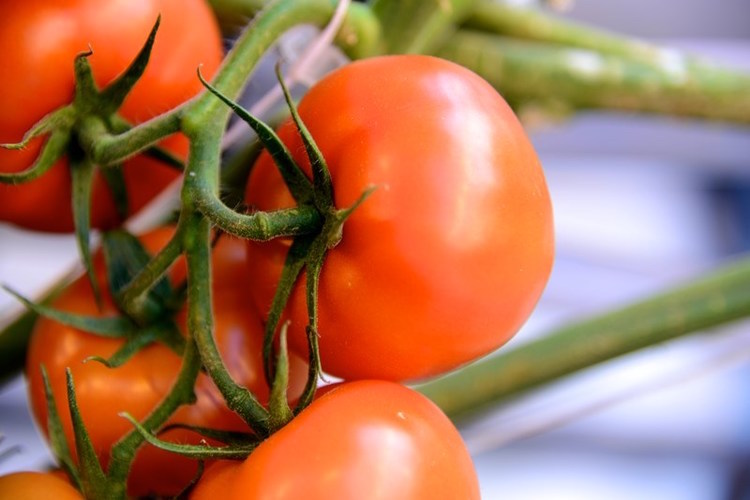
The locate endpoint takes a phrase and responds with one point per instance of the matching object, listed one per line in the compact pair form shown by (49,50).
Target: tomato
(39,41)
(138,385)
(447,258)
(366,439)
(37,486)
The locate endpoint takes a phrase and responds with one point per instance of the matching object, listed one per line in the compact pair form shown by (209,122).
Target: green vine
(529,56)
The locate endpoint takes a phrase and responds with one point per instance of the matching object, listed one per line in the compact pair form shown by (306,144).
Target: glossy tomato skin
(447,258)
(40,40)
(139,384)
(37,486)
(368,439)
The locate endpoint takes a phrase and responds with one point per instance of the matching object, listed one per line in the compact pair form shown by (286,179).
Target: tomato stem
(133,296)
(569,78)
(106,148)
(200,324)
(713,300)
(182,393)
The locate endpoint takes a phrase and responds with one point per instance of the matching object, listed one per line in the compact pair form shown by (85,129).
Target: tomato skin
(37,486)
(368,439)
(140,384)
(447,258)
(40,40)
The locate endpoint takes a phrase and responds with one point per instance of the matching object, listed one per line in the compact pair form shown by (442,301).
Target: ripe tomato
(138,385)
(37,486)
(447,258)
(39,41)
(367,439)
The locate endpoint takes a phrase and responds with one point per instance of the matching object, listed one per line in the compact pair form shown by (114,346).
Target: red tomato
(139,384)
(37,486)
(447,258)
(40,39)
(366,440)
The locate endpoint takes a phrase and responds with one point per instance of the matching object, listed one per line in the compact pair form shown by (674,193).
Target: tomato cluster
(440,265)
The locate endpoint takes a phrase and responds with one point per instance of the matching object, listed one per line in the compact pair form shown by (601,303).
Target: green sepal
(115,179)
(125,257)
(279,412)
(86,100)
(60,119)
(114,327)
(227,437)
(295,262)
(92,477)
(58,441)
(322,184)
(114,95)
(54,149)
(160,332)
(295,179)
(313,267)
(201,452)
(82,177)
(185,492)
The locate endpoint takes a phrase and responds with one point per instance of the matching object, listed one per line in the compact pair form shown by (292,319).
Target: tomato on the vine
(447,258)
(139,384)
(364,439)
(37,486)
(39,41)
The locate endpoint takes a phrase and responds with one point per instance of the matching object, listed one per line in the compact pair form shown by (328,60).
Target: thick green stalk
(534,24)
(197,242)
(358,37)
(265,29)
(716,299)
(419,26)
(573,78)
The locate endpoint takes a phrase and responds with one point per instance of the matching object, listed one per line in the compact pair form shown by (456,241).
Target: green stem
(575,78)
(275,19)
(534,24)
(106,149)
(419,26)
(134,295)
(716,299)
(124,450)
(197,242)
(259,226)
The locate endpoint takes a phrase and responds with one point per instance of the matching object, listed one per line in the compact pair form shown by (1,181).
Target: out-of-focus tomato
(139,385)
(447,258)
(40,39)
(366,440)
(37,486)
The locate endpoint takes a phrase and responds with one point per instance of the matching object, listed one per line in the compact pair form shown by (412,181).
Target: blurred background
(641,203)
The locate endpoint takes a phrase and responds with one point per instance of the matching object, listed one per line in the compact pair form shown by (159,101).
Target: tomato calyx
(307,250)
(75,131)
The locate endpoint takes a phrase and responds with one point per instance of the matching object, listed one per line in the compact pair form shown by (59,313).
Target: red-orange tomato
(39,40)
(37,486)
(139,384)
(368,439)
(447,258)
